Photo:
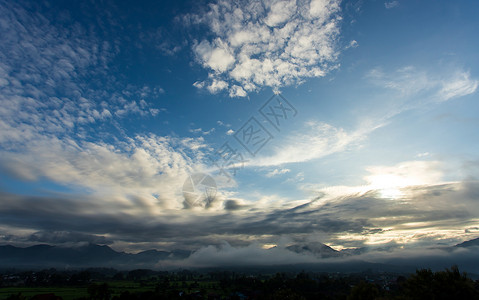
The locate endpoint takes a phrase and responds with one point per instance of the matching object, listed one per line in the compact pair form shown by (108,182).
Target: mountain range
(82,256)
(92,255)
(467,244)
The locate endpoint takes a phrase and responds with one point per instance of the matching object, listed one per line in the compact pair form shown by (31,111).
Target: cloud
(217,85)
(422,216)
(389,181)
(410,202)
(391,4)
(221,123)
(60,125)
(61,237)
(230,132)
(49,76)
(269,43)
(404,174)
(226,255)
(423,154)
(145,166)
(411,82)
(457,86)
(217,57)
(127,189)
(472,230)
(233,205)
(315,140)
(277,172)
(201,131)
(352,44)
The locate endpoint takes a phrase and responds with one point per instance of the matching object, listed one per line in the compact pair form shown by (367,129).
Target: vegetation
(108,284)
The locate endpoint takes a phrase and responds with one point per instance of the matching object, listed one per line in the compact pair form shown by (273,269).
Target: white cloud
(196,130)
(142,167)
(270,43)
(201,131)
(216,56)
(43,70)
(49,101)
(423,154)
(352,44)
(217,85)
(253,254)
(277,172)
(221,123)
(280,12)
(457,86)
(199,84)
(237,91)
(230,132)
(391,4)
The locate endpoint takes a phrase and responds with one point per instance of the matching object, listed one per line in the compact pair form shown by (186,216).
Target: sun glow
(389,185)
(392,182)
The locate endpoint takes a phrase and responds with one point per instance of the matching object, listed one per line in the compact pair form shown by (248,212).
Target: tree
(448,284)
(364,291)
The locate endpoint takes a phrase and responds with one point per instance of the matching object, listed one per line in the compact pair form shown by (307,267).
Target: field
(116,287)
(70,293)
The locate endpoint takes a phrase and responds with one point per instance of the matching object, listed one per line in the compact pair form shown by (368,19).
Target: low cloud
(419,217)
(252,255)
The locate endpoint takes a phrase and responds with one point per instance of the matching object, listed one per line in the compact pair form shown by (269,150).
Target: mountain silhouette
(315,248)
(470,243)
(81,256)
(93,255)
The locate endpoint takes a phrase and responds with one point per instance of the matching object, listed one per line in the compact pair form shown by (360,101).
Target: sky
(230,127)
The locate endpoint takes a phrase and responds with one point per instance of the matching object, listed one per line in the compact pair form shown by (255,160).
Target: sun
(388,185)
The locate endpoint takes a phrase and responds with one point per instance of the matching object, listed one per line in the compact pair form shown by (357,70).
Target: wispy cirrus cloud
(412,88)
(314,140)
(268,43)
(410,81)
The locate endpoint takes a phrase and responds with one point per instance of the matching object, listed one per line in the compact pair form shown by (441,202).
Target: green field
(70,293)
(76,292)
(64,292)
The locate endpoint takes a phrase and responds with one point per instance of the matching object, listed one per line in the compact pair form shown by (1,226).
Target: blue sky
(108,108)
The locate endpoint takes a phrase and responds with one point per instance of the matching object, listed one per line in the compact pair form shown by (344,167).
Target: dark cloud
(60,237)
(233,205)
(59,219)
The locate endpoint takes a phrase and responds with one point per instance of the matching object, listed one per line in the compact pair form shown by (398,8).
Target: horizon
(235,130)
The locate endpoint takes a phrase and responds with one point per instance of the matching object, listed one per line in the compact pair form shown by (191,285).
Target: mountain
(470,243)
(81,256)
(317,249)
(353,251)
